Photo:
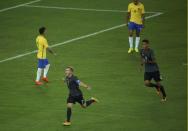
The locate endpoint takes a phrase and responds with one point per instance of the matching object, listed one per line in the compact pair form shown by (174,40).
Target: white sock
(137,42)
(131,41)
(39,71)
(46,70)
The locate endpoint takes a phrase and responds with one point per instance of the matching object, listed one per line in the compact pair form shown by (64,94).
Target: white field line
(79,9)
(74,39)
(16,6)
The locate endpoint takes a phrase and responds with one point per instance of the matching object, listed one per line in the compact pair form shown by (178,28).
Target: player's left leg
(148,76)
(87,103)
(157,78)
(162,91)
(137,41)
(47,66)
(90,101)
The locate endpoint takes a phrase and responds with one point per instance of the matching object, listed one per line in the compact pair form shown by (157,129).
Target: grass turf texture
(102,61)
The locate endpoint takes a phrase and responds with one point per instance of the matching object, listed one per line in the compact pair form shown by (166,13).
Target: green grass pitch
(100,60)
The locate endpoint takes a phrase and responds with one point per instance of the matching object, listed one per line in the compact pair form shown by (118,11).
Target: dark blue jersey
(73,85)
(148,56)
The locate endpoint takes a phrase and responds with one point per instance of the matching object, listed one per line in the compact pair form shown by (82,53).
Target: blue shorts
(42,63)
(134,26)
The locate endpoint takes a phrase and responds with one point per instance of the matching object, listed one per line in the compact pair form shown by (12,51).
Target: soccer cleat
(66,123)
(163,99)
(130,50)
(38,83)
(136,50)
(45,79)
(95,99)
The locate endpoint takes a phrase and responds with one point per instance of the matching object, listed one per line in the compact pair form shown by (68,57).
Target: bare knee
(147,83)
(69,105)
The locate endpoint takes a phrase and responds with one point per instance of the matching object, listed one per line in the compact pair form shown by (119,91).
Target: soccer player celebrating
(135,22)
(43,64)
(151,69)
(75,94)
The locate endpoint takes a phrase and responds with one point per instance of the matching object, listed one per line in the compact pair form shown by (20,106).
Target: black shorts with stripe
(152,75)
(73,99)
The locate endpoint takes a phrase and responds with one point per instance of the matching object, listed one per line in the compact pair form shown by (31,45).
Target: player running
(43,64)
(75,94)
(151,69)
(135,22)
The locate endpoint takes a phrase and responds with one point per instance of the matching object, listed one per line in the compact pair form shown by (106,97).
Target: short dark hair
(145,41)
(71,68)
(42,30)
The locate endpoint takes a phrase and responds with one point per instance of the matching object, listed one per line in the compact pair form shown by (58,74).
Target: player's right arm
(128,17)
(141,59)
(142,64)
(128,14)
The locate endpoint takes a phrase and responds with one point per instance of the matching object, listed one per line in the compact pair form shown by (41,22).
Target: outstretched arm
(141,61)
(84,85)
(141,64)
(51,51)
(128,14)
(128,17)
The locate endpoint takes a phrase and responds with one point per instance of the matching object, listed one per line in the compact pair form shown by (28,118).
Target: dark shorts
(152,75)
(73,99)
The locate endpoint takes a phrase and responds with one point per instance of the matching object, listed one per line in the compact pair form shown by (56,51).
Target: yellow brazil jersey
(136,12)
(42,44)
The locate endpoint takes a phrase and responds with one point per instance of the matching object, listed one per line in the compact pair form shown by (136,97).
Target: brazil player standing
(151,69)
(75,94)
(43,64)
(135,22)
